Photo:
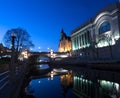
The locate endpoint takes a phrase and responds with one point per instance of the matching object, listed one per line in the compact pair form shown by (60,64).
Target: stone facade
(65,43)
(99,37)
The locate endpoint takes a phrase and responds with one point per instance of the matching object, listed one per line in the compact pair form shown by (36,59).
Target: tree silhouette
(22,39)
(109,38)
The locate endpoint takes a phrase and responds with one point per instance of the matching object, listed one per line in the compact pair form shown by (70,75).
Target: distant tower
(65,42)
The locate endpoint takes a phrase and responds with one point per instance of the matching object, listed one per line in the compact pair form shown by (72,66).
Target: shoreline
(109,66)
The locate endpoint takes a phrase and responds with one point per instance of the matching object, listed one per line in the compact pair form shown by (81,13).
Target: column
(77,42)
(81,40)
(77,45)
(73,44)
(84,39)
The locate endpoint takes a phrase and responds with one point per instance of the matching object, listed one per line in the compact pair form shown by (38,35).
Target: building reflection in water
(66,83)
(81,84)
(84,88)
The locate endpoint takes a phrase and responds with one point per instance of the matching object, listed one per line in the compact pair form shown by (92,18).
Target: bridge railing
(4,79)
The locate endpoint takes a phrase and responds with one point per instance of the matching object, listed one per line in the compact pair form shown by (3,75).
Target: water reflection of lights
(109,84)
(66,79)
(51,75)
(52,72)
(76,78)
(43,66)
(39,81)
(117,86)
(60,70)
(57,71)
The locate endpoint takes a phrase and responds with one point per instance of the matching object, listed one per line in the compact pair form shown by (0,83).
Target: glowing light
(83,80)
(48,48)
(109,84)
(103,82)
(117,37)
(51,76)
(75,77)
(62,56)
(80,54)
(51,72)
(39,81)
(86,80)
(25,54)
(60,70)
(90,82)
(117,86)
(88,45)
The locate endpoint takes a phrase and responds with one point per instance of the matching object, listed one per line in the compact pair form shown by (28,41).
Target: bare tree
(109,38)
(22,39)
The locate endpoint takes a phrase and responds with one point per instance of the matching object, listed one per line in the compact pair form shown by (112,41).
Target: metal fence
(4,79)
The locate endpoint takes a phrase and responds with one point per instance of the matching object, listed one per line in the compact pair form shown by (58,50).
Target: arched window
(104,27)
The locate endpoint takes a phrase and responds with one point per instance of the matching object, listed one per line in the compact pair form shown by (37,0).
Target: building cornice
(109,10)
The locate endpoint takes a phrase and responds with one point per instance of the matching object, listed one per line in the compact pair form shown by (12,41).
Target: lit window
(105,26)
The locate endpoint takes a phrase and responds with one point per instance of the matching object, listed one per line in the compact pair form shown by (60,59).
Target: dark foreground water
(55,87)
(82,83)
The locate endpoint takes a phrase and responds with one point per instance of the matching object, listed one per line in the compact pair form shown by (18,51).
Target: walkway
(11,90)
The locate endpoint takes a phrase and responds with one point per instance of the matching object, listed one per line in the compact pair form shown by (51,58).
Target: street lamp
(13,36)
(25,54)
(48,49)
(51,53)
(12,64)
(31,49)
(39,49)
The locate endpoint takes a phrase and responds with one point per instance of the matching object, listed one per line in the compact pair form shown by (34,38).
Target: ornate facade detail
(99,37)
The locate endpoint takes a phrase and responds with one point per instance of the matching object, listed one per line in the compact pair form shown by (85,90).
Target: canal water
(77,83)
(50,88)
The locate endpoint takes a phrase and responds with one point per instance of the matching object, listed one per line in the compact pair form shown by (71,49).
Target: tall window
(105,26)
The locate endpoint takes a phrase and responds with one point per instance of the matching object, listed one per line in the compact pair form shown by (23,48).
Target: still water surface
(56,87)
(82,83)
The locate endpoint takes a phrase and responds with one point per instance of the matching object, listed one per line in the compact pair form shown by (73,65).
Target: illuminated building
(65,43)
(99,37)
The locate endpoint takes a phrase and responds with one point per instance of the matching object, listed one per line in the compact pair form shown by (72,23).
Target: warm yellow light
(25,54)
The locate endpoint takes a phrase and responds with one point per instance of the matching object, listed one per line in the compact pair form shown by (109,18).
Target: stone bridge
(48,54)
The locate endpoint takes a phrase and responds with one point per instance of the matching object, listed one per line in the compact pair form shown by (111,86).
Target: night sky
(44,19)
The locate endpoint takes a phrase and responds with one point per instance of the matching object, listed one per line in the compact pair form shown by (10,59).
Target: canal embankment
(15,78)
(14,83)
(102,70)
(98,64)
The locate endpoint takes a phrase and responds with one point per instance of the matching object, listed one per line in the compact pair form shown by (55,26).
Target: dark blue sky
(44,19)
